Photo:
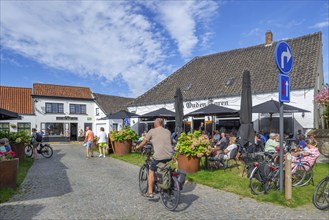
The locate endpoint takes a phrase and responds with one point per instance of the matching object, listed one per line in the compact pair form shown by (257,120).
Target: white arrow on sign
(287,87)
(283,55)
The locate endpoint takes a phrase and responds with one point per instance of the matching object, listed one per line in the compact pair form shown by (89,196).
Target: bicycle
(264,174)
(169,197)
(321,194)
(44,149)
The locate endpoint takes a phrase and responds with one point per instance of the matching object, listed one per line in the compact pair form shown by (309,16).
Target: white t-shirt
(102,137)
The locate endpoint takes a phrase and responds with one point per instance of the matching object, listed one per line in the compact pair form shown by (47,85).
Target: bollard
(288,182)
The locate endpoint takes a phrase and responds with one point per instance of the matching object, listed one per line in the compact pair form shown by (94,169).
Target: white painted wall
(299,98)
(43,117)
(25,119)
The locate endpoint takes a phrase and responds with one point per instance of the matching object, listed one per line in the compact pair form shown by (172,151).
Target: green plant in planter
(124,135)
(193,144)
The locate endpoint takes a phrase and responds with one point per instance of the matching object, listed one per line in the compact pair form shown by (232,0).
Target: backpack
(163,176)
(38,137)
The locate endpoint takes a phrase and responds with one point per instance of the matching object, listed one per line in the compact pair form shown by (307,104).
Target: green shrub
(193,144)
(124,135)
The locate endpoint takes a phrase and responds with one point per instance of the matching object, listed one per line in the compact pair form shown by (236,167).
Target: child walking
(102,142)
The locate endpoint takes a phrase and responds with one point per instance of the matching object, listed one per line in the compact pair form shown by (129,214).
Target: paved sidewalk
(68,186)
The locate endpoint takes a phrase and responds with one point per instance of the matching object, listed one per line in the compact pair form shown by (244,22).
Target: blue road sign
(284,88)
(283,57)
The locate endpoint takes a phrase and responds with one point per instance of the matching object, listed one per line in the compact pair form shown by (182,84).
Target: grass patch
(24,166)
(133,158)
(231,181)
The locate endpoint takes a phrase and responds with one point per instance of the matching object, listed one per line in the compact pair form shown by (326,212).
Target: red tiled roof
(16,99)
(61,91)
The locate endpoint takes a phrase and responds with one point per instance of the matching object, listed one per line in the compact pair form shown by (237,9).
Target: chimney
(268,38)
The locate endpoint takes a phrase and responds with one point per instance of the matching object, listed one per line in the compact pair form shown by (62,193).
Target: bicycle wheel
(28,150)
(298,175)
(170,197)
(142,179)
(308,174)
(256,186)
(321,195)
(46,151)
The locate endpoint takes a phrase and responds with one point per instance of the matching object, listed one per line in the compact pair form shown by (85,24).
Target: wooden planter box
(8,173)
(122,148)
(188,164)
(19,150)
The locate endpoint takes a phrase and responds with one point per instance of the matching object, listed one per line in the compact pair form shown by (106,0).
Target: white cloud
(321,24)
(108,39)
(180,18)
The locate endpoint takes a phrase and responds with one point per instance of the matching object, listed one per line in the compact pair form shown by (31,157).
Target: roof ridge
(112,95)
(61,85)
(259,45)
(16,87)
(166,79)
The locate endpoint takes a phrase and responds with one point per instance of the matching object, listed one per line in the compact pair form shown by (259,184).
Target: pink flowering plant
(323,96)
(193,144)
(7,155)
(323,99)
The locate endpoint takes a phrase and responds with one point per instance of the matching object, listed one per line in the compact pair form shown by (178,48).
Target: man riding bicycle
(163,150)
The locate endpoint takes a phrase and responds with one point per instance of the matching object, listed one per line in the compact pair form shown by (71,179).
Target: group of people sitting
(4,145)
(306,148)
(224,147)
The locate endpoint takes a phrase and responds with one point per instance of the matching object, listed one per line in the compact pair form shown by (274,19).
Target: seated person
(2,146)
(272,143)
(302,142)
(225,154)
(309,154)
(7,145)
(216,137)
(312,139)
(222,143)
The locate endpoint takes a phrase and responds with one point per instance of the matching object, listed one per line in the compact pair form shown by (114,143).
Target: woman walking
(102,142)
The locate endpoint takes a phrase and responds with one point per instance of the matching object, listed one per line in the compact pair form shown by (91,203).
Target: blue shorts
(154,163)
(89,144)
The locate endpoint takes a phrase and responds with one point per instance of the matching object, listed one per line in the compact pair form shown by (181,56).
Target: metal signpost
(284,62)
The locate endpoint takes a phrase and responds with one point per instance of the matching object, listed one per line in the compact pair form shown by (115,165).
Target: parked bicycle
(169,195)
(44,149)
(264,175)
(321,194)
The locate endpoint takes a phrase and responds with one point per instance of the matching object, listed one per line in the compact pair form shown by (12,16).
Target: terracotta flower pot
(19,150)
(188,164)
(122,148)
(8,173)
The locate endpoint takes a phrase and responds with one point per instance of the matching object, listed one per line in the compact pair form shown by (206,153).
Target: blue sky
(124,47)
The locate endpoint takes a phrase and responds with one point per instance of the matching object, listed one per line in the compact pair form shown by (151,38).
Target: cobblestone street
(68,186)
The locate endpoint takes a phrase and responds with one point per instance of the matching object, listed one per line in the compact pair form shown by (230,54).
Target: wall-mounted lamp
(303,114)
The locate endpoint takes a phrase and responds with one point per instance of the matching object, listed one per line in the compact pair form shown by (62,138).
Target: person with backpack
(36,139)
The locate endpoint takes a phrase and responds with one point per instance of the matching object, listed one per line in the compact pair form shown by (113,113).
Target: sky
(124,48)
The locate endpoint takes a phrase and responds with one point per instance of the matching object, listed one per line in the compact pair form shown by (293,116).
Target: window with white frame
(77,109)
(97,111)
(4,126)
(23,126)
(54,108)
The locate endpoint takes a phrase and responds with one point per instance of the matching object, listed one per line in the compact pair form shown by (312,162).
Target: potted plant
(8,169)
(123,140)
(189,149)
